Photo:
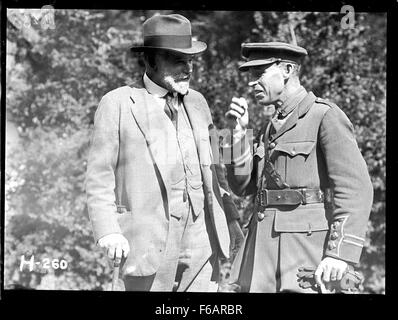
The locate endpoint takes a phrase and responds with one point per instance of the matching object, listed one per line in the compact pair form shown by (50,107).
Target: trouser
(190,263)
(268,260)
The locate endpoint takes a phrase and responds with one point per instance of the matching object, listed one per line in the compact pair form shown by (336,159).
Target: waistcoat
(186,177)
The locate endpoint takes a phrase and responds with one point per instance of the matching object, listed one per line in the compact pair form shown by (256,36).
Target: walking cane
(115,275)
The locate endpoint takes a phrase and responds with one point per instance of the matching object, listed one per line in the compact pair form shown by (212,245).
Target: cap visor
(255,63)
(197,47)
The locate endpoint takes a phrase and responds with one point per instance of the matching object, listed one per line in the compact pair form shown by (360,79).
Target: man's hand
(238,115)
(330,269)
(237,237)
(116,245)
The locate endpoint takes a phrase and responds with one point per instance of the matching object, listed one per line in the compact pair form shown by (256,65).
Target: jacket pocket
(302,219)
(176,205)
(291,160)
(295,147)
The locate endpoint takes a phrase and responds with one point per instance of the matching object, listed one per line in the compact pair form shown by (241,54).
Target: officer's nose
(252,83)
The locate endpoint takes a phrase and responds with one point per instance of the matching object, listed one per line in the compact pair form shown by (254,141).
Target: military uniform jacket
(314,148)
(127,181)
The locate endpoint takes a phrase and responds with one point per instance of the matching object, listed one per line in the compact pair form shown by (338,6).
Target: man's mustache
(182,78)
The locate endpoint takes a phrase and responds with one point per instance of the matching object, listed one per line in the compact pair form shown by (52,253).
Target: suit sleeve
(101,165)
(351,184)
(231,212)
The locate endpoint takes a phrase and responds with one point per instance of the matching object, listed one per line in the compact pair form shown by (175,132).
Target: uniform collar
(292,101)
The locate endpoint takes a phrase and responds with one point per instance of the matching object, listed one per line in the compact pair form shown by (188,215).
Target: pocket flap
(301,220)
(177,209)
(296,147)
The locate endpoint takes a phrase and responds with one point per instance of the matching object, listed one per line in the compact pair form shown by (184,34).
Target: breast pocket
(296,148)
(291,159)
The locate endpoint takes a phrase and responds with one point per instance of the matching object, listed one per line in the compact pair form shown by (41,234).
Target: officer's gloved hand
(306,278)
(115,245)
(349,283)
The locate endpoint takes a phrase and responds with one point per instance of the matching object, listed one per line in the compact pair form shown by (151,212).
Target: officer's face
(267,82)
(173,71)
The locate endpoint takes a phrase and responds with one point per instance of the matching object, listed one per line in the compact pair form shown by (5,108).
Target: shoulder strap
(268,170)
(260,165)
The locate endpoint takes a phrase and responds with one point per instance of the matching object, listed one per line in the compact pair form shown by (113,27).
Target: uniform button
(261,216)
(331,245)
(272,145)
(293,152)
(334,235)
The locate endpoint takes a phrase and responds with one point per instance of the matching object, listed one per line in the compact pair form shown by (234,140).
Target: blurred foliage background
(56,77)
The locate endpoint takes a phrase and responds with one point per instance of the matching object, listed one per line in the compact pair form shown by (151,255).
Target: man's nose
(188,67)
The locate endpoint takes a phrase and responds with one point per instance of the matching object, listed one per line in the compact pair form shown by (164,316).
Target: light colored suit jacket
(129,166)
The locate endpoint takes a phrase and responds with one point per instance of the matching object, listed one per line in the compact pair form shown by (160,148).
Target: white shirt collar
(153,88)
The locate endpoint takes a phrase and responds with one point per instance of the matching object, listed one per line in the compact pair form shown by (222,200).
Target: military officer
(313,193)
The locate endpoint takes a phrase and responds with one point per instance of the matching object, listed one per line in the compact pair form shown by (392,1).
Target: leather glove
(349,283)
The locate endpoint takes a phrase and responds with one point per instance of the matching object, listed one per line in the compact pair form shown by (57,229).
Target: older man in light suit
(153,190)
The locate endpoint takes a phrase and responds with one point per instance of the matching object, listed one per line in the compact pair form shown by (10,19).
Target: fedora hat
(169,32)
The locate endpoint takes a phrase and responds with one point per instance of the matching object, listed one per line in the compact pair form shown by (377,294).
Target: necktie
(170,109)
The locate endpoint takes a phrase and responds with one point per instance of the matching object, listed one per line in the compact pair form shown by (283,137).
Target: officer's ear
(287,70)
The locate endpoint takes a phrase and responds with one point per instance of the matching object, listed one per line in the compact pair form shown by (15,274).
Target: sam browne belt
(267,197)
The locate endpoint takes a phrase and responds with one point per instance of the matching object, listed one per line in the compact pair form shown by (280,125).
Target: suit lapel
(199,127)
(201,134)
